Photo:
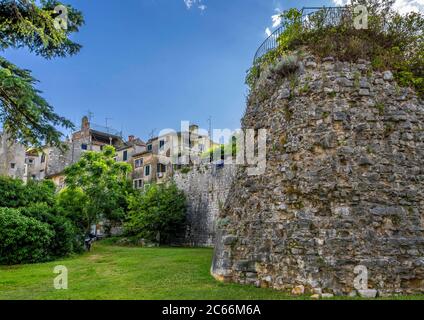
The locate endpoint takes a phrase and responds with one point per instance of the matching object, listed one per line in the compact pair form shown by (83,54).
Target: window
(30,161)
(149,147)
(84,146)
(161,144)
(138,184)
(138,163)
(12,165)
(43,158)
(125,156)
(147,171)
(161,168)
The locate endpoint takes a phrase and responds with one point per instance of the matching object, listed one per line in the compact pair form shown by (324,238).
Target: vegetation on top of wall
(223,150)
(391,42)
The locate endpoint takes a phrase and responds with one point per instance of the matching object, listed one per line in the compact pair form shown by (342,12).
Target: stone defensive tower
(343,187)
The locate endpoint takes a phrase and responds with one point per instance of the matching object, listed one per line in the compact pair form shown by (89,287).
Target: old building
(88,138)
(36,164)
(144,169)
(167,153)
(131,147)
(12,158)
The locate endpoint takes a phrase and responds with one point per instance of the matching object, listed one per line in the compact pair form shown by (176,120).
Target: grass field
(110,272)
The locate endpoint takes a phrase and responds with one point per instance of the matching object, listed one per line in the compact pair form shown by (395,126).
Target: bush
(15,194)
(11,193)
(23,239)
(66,239)
(40,191)
(158,215)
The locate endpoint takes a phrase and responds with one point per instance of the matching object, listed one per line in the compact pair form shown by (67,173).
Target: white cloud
(341,2)
(276,21)
(189,3)
(402,6)
(405,6)
(198,3)
(268,32)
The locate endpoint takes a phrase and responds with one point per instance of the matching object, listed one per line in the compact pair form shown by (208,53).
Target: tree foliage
(23,239)
(24,113)
(37,200)
(104,183)
(66,237)
(157,215)
(73,204)
(15,194)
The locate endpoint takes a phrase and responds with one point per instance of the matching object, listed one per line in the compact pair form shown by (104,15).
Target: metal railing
(105,129)
(312,17)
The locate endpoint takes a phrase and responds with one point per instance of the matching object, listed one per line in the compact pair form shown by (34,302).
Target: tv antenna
(210,127)
(152,133)
(90,115)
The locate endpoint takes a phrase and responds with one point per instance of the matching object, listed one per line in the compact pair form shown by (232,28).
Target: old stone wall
(206,188)
(343,186)
(58,160)
(12,158)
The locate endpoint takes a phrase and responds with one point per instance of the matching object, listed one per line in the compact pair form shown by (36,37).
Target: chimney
(194,128)
(85,123)
(131,138)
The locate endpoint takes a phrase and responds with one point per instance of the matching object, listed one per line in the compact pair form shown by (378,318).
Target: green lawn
(111,272)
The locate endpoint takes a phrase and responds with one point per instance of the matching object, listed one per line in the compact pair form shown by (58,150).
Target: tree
(72,204)
(24,113)
(104,182)
(157,215)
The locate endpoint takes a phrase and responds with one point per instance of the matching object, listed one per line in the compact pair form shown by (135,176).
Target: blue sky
(149,64)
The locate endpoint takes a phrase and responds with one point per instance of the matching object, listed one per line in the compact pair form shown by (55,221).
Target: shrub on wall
(391,41)
(23,239)
(158,215)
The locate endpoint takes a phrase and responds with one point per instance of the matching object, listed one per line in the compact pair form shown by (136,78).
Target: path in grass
(110,272)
